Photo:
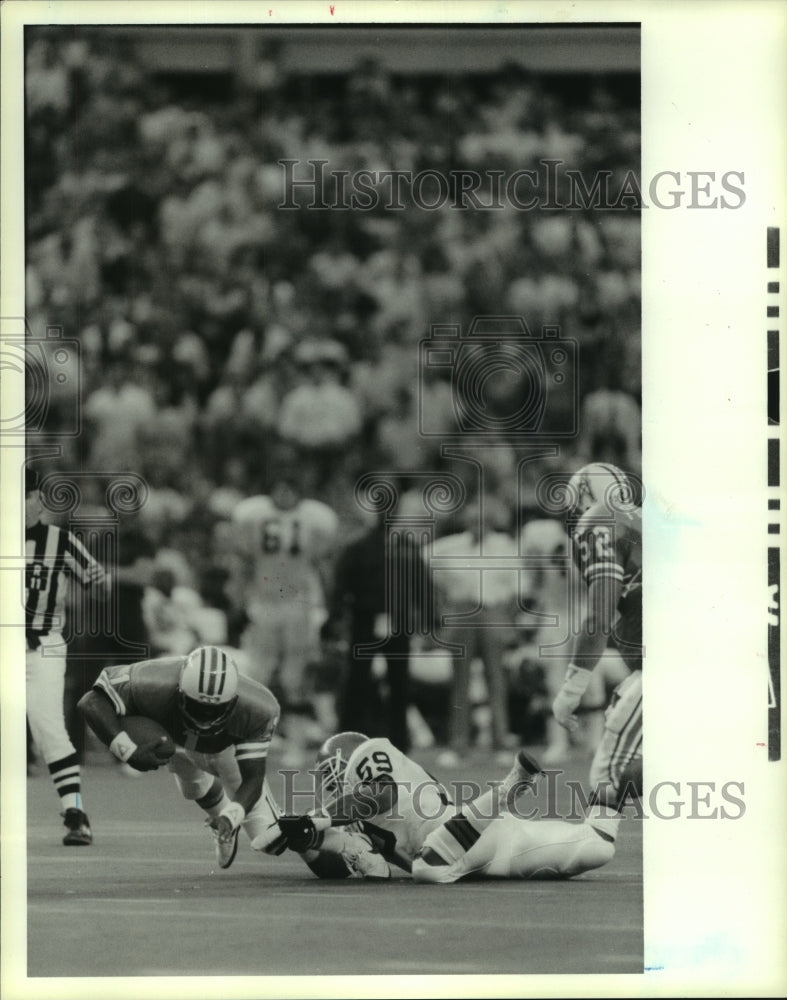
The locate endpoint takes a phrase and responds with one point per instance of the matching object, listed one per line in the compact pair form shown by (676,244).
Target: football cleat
(79,832)
(522,778)
(225,849)
(363,860)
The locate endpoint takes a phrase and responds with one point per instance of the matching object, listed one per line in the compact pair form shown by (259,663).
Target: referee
(53,557)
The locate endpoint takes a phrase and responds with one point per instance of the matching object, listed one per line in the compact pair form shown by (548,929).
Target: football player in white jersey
(416,826)
(283,548)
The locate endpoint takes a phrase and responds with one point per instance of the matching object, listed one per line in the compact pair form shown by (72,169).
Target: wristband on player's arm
(576,680)
(123,747)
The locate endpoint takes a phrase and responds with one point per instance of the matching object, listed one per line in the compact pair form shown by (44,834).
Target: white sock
(214,811)
(71,800)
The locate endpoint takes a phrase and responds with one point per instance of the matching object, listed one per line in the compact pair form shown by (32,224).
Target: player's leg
(493,642)
(459,707)
(299,645)
(539,849)
(558,747)
(621,743)
(525,849)
(205,787)
(397,672)
(442,855)
(45,676)
(609,673)
(260,644)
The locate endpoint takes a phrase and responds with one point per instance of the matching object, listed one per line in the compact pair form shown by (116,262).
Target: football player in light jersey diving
(414,824)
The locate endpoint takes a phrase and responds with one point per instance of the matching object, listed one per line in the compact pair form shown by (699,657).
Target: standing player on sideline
(283,547)
(221,723)
(52,556)
(607,543)
(415,826)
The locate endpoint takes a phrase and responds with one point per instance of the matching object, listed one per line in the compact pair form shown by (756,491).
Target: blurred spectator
(488,599)
(115,414)
(320,417)
(610,428)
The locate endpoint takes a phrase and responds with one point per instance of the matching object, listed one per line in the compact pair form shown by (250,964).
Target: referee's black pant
(361,705)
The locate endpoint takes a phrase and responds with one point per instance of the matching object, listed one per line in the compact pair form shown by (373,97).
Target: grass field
(144,901)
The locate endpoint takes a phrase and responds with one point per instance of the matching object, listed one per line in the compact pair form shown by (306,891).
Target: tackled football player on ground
(417,827)
(221,723)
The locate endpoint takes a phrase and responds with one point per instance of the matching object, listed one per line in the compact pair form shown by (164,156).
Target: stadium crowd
(214,326)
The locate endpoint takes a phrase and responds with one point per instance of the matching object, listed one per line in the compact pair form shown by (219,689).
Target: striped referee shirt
(52,555)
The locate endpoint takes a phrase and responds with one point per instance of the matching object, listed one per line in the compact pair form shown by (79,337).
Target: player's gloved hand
(142,757)
(303,832)
(569,696)
(148,756)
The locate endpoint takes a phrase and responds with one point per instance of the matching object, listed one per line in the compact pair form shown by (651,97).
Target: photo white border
(714,92)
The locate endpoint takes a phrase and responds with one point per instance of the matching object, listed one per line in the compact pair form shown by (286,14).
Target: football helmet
(207,689)
(599,482)
(332,759)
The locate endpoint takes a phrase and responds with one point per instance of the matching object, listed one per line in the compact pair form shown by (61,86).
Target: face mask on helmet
(597,483)
(208,689)
(332,759)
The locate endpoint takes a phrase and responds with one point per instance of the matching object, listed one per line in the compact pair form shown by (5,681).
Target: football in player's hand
(149,734)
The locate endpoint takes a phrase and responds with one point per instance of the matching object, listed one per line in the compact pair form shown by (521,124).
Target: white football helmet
(332,759)
(208,689)
(602,483)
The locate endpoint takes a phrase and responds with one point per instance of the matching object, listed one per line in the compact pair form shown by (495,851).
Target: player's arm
(84,568)
(251,754)
(604,577)
(597,626)
(363,801)
(252,774)
(103,708)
